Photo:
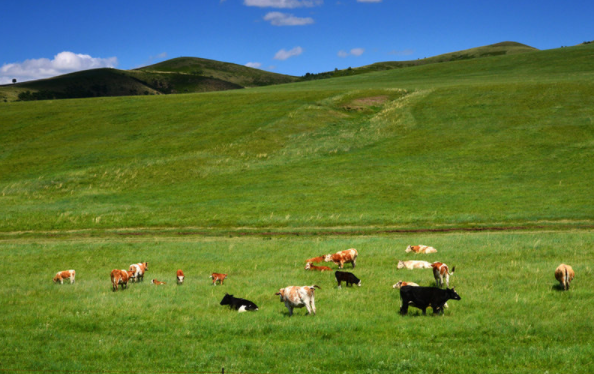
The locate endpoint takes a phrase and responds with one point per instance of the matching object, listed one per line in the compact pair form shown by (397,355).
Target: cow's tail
(566,282)
(315,286)
(453,269)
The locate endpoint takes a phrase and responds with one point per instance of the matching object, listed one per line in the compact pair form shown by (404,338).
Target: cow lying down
(241,305)
(424,297)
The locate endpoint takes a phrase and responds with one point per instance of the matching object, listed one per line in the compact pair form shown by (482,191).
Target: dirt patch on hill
(366,102)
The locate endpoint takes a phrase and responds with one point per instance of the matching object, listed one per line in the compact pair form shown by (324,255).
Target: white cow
(298,297)
(412,264)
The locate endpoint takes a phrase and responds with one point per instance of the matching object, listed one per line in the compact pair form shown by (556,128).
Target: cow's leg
(424,311)
(447,277)
(353,263)
(290,310)
(313,306)
(404,307)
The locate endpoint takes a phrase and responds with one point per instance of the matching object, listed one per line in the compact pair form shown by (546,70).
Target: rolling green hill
(179,75)
(499,141)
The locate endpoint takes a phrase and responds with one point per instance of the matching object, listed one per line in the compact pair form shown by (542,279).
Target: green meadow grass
(512,317)
(505,140)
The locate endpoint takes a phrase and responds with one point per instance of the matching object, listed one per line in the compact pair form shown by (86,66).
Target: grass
(512,316)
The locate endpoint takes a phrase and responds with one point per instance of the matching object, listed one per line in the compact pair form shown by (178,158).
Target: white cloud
(352,52)
(283,54)
(283,19)
(283,3)
(63,63)
(255,65)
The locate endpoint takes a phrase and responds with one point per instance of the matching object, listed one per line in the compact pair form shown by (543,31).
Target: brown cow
(342,257)
(180,276)
(440,271)
(315,259)
(310,266)
(218,277)
(138,270)
(157,283)
(564,274)
(66,274)
(120,277)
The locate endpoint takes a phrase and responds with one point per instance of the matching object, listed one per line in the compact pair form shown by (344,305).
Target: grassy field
(504,140)
(252,182)
(512,317)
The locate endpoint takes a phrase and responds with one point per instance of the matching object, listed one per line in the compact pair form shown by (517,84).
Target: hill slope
(506,140)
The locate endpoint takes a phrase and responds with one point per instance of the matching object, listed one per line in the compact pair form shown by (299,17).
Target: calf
(315,259)
(138,270)
(440,271)
(241,305)
(66,274)
(298,297)
(564,274)
(218,277)
(157,283)
(424,297)
(414,265)
(343,257)
(401,284)
(349,278)
(120,277)
(420,249)
(180,276)
(310,266)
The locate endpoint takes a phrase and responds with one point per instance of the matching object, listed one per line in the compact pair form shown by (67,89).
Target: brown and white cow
(157,283)
(420,249)
(412,264)
(120,277)
(66,274)
(441,271)
(564,274)
(401,284)
(180,276)
(315,259)
(218,277)
(138,270)
(298,297)
(343,257)
(310,266)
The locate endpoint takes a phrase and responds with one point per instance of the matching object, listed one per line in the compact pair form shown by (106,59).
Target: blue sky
(43,38)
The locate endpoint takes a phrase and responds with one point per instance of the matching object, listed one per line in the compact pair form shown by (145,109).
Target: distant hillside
(498,49)
(179,75)
(238,74)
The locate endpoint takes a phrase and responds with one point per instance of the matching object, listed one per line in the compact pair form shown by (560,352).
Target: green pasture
(505,140)
(512,317)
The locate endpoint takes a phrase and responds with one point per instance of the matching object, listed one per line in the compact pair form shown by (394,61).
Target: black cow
(349,278)
(241,305)
(424,297)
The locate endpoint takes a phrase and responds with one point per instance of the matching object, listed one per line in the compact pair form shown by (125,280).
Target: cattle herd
(411,293)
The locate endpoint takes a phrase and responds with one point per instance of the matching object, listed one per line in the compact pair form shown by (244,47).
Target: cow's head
(180,279)
(130,274)
(308,266)
(145,265)
(227,299)
(452,294)
(397,285)
(328,258)
(56,278)
(281,293)
(409,249)
(400,265)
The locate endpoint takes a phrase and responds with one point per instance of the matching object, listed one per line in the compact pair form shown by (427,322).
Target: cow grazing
(66,274)
(120,277)
(180,276)
(157,283)
(420,249)
(424,297)
(401,284)
(564,274)
(441,271)
(298,297)
(138,270)
(349,278)
(414,265)
(241,305)
(310,266)
(343,257)
(218,277)
(315,259)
